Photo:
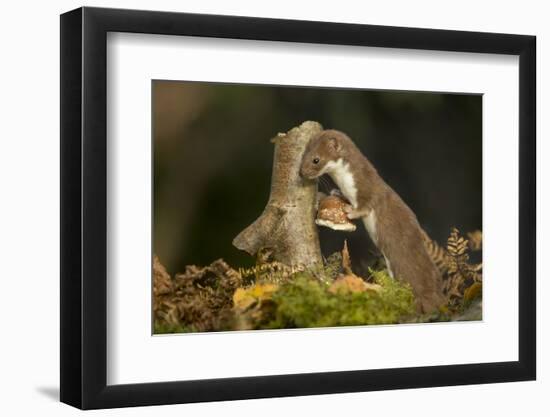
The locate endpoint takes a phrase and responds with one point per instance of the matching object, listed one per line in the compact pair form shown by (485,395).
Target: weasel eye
(315,161)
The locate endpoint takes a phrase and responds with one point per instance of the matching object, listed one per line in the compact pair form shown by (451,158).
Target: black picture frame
(84,207)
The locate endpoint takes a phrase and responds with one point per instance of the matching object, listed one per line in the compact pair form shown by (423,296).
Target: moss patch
(306,302)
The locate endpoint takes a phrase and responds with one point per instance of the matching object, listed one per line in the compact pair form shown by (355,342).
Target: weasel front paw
(353,213)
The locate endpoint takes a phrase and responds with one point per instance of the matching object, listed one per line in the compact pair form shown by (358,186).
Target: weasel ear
(334,144)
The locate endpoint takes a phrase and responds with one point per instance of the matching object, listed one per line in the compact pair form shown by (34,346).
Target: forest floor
(273,296)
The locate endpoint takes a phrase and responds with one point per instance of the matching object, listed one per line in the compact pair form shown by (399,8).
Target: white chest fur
(341,174)
(370,224)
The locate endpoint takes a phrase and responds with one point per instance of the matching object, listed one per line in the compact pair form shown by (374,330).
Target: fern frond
(437,254)
(460,274)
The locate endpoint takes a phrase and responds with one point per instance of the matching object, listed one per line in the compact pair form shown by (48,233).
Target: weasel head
(326,147)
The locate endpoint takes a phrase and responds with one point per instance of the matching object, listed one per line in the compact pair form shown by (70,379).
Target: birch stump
(286,229)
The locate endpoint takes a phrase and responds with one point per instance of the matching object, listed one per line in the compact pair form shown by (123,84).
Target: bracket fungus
(331,213)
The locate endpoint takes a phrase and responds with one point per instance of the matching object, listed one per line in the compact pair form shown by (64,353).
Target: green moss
(306,302)
(164,328)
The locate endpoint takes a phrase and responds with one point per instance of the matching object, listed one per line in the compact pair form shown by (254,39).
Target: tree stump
(286,229)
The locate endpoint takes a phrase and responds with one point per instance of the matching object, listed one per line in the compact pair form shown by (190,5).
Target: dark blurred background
(212,160)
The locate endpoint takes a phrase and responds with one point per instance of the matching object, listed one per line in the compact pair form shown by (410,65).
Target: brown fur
(398,233)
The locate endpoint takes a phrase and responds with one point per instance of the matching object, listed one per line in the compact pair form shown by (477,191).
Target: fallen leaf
(353,284)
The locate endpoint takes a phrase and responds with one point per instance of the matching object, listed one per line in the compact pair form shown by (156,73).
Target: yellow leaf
(473,291)
(263,291)
(244,298)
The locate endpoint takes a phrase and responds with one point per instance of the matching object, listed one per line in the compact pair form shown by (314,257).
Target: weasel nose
(304,175)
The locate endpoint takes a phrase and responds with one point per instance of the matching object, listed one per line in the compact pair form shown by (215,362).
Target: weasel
(390,223)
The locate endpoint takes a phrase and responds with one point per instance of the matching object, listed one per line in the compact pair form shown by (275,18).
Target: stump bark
(286,229)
